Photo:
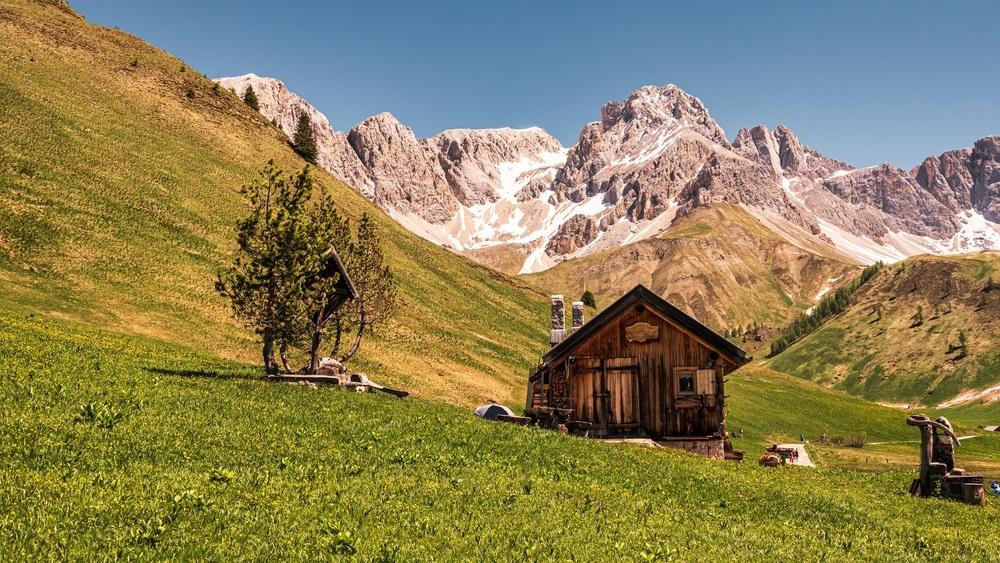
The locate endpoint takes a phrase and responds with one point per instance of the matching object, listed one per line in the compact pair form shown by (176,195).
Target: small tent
(491,411)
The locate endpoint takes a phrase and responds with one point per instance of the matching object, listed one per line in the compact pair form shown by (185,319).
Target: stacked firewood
(559,389)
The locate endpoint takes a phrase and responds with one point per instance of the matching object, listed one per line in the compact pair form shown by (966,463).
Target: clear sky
(864,82)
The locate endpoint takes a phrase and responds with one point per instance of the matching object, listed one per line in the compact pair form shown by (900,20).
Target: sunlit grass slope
(123,447)
(119,175)
(900,339)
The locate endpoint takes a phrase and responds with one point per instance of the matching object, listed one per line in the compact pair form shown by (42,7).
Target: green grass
(772,407)
(205,461)
(118,196)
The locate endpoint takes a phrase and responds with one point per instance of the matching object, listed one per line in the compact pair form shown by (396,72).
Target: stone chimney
(558,320)
(577,316)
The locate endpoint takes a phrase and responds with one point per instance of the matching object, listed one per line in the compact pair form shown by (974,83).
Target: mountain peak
(658,107)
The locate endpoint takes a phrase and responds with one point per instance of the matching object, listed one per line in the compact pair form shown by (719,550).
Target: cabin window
(684,381)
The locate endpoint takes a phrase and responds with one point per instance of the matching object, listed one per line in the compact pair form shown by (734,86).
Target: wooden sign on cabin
(642,332)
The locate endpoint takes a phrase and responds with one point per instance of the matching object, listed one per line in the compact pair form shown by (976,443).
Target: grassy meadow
(124,447)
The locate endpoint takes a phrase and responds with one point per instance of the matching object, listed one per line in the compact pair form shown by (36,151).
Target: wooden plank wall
(656,408)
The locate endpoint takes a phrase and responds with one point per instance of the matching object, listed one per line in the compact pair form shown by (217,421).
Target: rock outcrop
(405,171)
(280,105)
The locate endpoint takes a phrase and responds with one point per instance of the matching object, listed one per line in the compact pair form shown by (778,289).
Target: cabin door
(621,396)
(605,392)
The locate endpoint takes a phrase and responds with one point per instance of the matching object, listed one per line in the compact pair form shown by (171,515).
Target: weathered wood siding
(642,398)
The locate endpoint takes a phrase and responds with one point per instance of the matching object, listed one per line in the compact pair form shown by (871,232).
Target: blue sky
(864,82)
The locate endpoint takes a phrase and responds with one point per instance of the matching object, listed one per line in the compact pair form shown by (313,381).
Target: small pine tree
(304,142)
(277,253)
(918,318)
(588,299)
(365,262)
(963,344)
(190,93)
(135,62)
(215,88)
(250,98)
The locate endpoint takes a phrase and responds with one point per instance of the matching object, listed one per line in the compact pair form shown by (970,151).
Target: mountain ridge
(649,160)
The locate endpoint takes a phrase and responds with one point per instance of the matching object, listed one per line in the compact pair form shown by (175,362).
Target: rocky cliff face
(476,162)
(405,171)
(280,105)
(650,160)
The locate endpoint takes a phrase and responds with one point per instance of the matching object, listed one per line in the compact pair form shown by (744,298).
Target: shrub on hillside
(855,440)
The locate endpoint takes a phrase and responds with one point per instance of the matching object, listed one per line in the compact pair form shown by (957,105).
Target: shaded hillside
(901,340)
(119,175)
(718,263)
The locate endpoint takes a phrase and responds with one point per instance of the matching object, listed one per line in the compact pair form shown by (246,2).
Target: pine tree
(918,318)
(304,142)
(250,98)
(588,299)
(963,344)
(276,254)
(333,233)
(376,290)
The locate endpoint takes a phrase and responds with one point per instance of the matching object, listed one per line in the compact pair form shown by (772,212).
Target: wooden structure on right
(938,474)
(640,368)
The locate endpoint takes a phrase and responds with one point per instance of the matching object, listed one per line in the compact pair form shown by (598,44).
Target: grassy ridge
(118,192)
(898,341)
(718,263)
(229,467)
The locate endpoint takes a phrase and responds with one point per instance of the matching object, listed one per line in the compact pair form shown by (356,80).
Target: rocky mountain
(283,107)
(517,198)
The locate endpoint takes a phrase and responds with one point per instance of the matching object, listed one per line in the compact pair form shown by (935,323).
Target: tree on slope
(333,232)
(304,142)
(588,299)
(365,263)
(250,98)
(277,255)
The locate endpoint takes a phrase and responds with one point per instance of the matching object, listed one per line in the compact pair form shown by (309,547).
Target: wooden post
(973,493)
(926,451)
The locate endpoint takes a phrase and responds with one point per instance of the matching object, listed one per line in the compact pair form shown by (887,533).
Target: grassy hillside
(771,407)
(719,263)
(900,340)
(119,175)
(117,446)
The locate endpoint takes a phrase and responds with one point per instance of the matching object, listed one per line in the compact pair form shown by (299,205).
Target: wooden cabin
(640,368)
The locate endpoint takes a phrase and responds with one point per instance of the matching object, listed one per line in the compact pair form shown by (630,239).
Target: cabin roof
(663,307)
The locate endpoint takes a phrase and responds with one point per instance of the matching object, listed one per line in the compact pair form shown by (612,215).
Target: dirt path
(803,457)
